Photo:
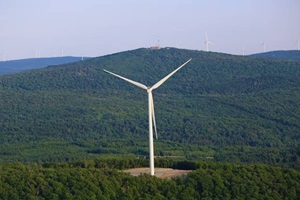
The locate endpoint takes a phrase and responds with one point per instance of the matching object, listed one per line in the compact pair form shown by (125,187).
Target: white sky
(100,27)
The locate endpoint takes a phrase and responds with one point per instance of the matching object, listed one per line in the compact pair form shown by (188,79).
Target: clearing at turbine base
(150,108)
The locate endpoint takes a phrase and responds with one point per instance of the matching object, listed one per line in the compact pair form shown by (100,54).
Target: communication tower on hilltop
(156,47)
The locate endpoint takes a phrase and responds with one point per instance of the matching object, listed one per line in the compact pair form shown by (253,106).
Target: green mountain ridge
(225,107)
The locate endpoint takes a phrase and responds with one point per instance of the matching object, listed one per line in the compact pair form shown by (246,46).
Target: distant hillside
(13,66)
(219,107)
(279,55)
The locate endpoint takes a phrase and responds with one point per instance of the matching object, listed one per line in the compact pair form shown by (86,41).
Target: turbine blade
(156,85)
(128,80)
(206,37)
(153,114)
(211,42)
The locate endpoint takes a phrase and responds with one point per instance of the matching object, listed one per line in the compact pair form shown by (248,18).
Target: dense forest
(217,108)
(104,179)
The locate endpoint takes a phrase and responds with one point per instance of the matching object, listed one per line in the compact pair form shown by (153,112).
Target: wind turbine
(3,57)
(207,42)
(264,45)
(299,44)
(151,114)
(243,51)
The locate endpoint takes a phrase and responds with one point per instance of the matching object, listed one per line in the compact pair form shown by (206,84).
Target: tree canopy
(219,107)
(90,179)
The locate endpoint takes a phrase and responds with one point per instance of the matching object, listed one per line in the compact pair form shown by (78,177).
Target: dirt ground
(165,173)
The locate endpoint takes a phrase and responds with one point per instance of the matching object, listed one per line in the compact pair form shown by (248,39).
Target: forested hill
(220,107)
(13,66)
(102,179)
(279,55)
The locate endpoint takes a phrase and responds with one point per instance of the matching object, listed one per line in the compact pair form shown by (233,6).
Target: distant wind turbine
(151,114)
(82,56)
(158,43)
(207,42)
(299,44)
(37,54)
(264,46)
(4,58)
(243,51)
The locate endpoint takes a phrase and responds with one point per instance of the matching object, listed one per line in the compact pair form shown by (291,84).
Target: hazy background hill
(219,106)
(13,66)
(280,55)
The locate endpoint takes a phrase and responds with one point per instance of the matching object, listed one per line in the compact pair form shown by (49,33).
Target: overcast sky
(100,27)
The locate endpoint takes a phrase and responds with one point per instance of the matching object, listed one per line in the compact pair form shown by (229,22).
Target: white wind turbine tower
(264,46)
(3,57)
(207,42)
(243,51)
(151,114)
